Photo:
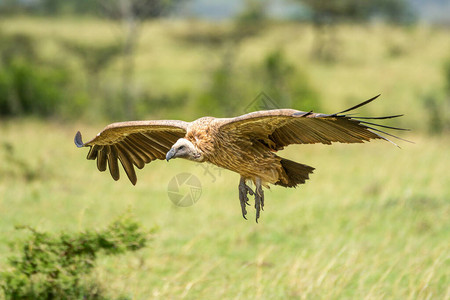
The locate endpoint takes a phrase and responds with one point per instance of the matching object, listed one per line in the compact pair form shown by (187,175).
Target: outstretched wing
(132,143)
(281,127)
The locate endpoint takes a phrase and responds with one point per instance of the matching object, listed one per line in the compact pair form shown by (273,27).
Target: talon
(257,207)
(259,198)
(244,191)
(262,199)
(250,191)
(243,198)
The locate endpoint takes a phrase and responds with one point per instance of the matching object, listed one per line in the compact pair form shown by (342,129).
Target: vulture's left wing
(132,143)
(281,127)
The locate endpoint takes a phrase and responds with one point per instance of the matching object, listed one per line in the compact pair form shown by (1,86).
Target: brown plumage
(246,144)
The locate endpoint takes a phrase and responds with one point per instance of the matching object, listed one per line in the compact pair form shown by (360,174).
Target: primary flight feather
(246,144)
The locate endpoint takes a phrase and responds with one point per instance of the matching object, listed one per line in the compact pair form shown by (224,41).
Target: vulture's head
(184,149)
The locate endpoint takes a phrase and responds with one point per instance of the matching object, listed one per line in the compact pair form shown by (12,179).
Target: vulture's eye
(181,147)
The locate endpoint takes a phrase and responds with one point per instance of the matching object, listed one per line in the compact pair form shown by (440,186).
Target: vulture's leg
(259,197)
(243,191)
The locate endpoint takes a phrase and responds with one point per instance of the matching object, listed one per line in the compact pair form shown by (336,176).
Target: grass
(372,223)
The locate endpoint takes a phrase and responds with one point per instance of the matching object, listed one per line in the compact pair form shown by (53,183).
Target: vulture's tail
(295,173)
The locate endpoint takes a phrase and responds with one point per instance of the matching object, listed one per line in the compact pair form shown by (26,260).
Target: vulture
(245,144)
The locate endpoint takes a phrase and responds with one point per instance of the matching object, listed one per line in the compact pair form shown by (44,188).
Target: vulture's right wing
(132,143)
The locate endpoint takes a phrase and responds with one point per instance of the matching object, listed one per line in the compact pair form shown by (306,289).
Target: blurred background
(373,221)
(117,60)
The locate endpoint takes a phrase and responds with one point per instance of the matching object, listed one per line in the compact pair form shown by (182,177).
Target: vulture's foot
(244,190)
(259,198)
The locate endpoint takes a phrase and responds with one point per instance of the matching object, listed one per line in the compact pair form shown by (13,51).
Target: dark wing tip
(78,140)
(358,105)
(339,114)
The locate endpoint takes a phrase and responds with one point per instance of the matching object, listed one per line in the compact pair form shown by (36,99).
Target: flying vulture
(246,144)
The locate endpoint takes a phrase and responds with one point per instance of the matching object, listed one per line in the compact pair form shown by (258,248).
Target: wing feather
(101,160)
(93,152)
(157,147)
(140,150)
(132,153)
(112,163)
(126,161)
(160,142)
(133,143)
(287,126)
(148,147)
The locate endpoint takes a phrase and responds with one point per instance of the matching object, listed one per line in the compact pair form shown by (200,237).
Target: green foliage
(31,89)
(16,45)
(288,85)
(219,75)
(145,8)
(222,95)
(27,84)
(326,14)
(254,11)
(251,20)
(57,266)
(325,11)
(94,57)
(141,9)
(275,76)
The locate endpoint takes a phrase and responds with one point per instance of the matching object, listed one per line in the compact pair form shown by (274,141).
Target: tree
(327,13)
(56,7)
(129,14)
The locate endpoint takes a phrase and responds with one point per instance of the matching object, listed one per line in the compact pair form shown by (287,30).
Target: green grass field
(372,223)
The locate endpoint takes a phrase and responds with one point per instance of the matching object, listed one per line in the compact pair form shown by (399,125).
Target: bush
(27,89)
(57,266)
(27,84)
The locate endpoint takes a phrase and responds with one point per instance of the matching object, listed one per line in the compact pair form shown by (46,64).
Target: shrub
(27,89)
(57,266)
(27,84)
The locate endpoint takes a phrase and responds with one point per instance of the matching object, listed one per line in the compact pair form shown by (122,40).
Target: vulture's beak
(170,154)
